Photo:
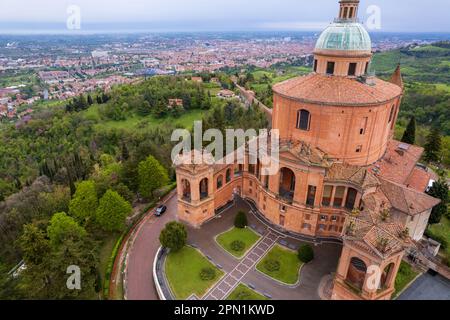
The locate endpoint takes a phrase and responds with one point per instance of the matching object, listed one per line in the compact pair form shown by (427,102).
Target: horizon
(195,16)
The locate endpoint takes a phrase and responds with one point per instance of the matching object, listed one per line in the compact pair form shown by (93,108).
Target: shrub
(237,246)
(241,220)
(306,253)
(272,265)
(173,236)
(243,295)
(207,274)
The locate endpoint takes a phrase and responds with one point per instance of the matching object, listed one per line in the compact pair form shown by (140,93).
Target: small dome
(348,36)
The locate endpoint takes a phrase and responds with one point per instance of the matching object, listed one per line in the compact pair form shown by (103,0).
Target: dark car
(160,210)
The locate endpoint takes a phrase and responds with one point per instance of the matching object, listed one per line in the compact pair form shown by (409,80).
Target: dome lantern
(344,48)
(348,10)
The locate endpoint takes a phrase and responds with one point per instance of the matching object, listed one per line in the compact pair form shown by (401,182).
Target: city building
(341,174)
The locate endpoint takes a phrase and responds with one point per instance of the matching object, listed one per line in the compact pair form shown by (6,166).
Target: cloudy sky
(212,15)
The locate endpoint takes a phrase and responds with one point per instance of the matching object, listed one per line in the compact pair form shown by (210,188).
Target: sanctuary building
(342,175)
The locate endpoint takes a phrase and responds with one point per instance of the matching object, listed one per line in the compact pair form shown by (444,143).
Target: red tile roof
(337,91)
(407,200)
(398,162)
(419,179)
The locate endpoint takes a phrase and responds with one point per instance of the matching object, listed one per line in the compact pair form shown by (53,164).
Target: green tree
(306,253)
(439,190)
(241,220)
(433,145)
(152,176)
(63,227)
(34,244)
(410,134)
(112,211)
(144,109)
(84,202)
(173,236)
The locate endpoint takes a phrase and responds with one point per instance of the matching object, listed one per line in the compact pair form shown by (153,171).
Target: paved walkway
(233,278)
(325,262)
(428,287)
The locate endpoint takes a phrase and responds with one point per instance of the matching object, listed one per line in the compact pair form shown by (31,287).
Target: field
(135,122)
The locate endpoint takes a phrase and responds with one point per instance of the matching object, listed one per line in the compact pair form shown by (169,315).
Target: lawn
(242,292)
(289,265)
(442,231)
(135,122)
(247,236)
(405,275)
(183,273)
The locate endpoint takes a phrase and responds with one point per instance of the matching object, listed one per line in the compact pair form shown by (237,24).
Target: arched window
(228,175)
(356,273)
(303,120)
(287,184)
(219,182)
(186,190)
(386,276)
(204,189)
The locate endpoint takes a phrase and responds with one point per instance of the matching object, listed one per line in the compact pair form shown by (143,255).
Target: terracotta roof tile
(398,162)
(407,200)
(418,180)
(354,174)
(337,91)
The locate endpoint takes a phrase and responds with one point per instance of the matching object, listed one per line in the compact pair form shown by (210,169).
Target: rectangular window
(330,67)
(323,218)
(311,196)
(303,120)
(282,220)
(359,149)
(352,69)
(339,196)
(367,68)
(327,192)
(283,208)
(364,122)
(334,218)
(315,65)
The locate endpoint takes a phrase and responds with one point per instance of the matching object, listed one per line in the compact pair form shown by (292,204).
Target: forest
(70,177)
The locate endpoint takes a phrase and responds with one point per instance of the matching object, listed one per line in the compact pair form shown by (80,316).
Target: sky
(216,15)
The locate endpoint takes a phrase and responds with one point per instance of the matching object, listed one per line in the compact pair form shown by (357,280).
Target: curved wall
(355,135)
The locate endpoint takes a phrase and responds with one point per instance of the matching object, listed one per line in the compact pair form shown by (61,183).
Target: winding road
(140,285)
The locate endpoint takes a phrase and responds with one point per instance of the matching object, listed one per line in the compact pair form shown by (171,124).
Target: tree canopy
(152,176)
(112,211)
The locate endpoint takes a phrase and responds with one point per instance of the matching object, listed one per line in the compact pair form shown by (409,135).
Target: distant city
(56,67)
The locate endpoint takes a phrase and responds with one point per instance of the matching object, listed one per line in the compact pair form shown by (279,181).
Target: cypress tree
(433,145)
(410,134)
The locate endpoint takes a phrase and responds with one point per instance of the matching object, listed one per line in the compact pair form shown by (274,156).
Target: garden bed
(242,292)
(281,264)
(183,269)
(229,241)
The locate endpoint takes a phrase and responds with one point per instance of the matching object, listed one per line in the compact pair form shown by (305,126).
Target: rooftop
(337,91)
(344,36)
(398,163)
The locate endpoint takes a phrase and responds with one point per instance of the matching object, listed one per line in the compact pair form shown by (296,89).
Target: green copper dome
(348,36)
